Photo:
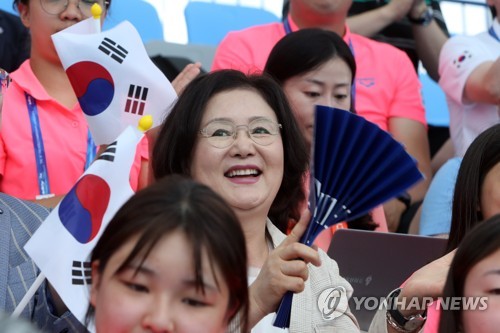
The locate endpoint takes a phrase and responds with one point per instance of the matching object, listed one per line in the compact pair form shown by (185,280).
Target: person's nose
(159,317)
(327,100)
(243,144)
(72,11)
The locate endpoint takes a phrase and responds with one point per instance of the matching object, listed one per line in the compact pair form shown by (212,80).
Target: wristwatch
(405,198)
(399,322)
(424,19)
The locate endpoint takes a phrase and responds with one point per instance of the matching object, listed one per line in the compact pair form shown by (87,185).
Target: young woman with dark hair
(162,260)
(474,278)
(320,74)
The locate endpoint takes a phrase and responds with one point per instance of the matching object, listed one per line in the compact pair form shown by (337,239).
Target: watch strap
(396,319)
(424,19)
(405,198)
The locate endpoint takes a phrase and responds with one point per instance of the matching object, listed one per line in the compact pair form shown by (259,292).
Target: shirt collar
(26,79)
(346,37)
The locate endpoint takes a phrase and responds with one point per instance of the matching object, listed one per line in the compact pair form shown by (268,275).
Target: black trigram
(110,152)
(81,273)
(136,100)
(115,51)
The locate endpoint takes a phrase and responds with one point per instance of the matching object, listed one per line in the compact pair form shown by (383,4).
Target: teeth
(242,172)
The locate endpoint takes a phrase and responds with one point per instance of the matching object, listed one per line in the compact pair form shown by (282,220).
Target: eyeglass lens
(223,133)
(56,7)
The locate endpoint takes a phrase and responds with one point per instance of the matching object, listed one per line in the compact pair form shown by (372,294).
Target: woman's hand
(188,74)
(428,282)
(284,270)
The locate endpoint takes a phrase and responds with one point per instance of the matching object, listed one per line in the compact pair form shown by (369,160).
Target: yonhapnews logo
(332,302)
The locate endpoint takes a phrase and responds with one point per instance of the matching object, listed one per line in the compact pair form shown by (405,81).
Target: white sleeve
(458,58)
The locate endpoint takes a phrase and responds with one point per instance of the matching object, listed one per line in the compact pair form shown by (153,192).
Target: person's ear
(24,13)
(96,280)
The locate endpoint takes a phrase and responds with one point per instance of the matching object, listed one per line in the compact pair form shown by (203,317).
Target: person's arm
(475,77)
(372,21)
(425,284)
(444,153)
(483,84)
(429,39)
(413,135)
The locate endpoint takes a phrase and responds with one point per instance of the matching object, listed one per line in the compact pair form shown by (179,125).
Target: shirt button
(74,124)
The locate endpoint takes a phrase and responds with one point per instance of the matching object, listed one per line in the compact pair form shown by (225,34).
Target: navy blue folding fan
(355,166)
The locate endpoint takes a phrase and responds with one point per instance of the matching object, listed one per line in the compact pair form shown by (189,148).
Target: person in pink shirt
(386,90)
(321,74)
(45,144)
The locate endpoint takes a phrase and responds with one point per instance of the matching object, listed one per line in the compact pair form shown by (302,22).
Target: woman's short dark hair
(173,204)
(174,146)
(304,50)
(482,241)
(481,156)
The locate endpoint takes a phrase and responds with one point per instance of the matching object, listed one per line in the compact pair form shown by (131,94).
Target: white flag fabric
(62,245)
(113,77)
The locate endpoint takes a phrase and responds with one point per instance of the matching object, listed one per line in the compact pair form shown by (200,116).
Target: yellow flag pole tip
(96,11)
(145,123)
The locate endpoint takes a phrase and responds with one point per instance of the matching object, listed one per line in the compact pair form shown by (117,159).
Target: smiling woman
(162,260)
(237,134)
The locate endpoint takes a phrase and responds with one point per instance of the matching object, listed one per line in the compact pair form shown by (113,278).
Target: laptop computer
(376,263)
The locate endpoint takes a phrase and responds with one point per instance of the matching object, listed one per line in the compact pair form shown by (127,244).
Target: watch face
(413,323)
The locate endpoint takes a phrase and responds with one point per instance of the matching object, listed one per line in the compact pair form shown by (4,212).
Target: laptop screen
(375,263)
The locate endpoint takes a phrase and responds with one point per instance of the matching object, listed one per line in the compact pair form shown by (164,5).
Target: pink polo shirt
(386,83)
(64,133)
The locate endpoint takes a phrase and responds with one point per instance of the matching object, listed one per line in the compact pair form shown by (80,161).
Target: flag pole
(34,287)
(96,11)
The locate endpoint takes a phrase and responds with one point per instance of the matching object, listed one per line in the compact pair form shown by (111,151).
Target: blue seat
(208,23)
(140,13)
(7,6)
(436,108)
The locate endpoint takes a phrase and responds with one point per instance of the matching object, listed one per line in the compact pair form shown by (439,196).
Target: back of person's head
(179,134)
(305,50)
(175,204)
(481,156)
(481,242)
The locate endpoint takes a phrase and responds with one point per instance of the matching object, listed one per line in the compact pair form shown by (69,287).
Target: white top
(265,325)
(459,57)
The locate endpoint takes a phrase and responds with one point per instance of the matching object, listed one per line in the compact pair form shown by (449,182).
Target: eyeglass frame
(105,6)
(237,128)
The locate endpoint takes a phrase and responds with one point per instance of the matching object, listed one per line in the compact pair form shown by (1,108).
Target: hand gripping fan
(355,166)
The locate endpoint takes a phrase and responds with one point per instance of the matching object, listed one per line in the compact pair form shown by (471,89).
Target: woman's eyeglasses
(56,7)
(222,133)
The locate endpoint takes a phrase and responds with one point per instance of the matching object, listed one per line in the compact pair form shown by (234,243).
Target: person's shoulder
(384,49)
(22,208)
(466,45)
(254,31)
